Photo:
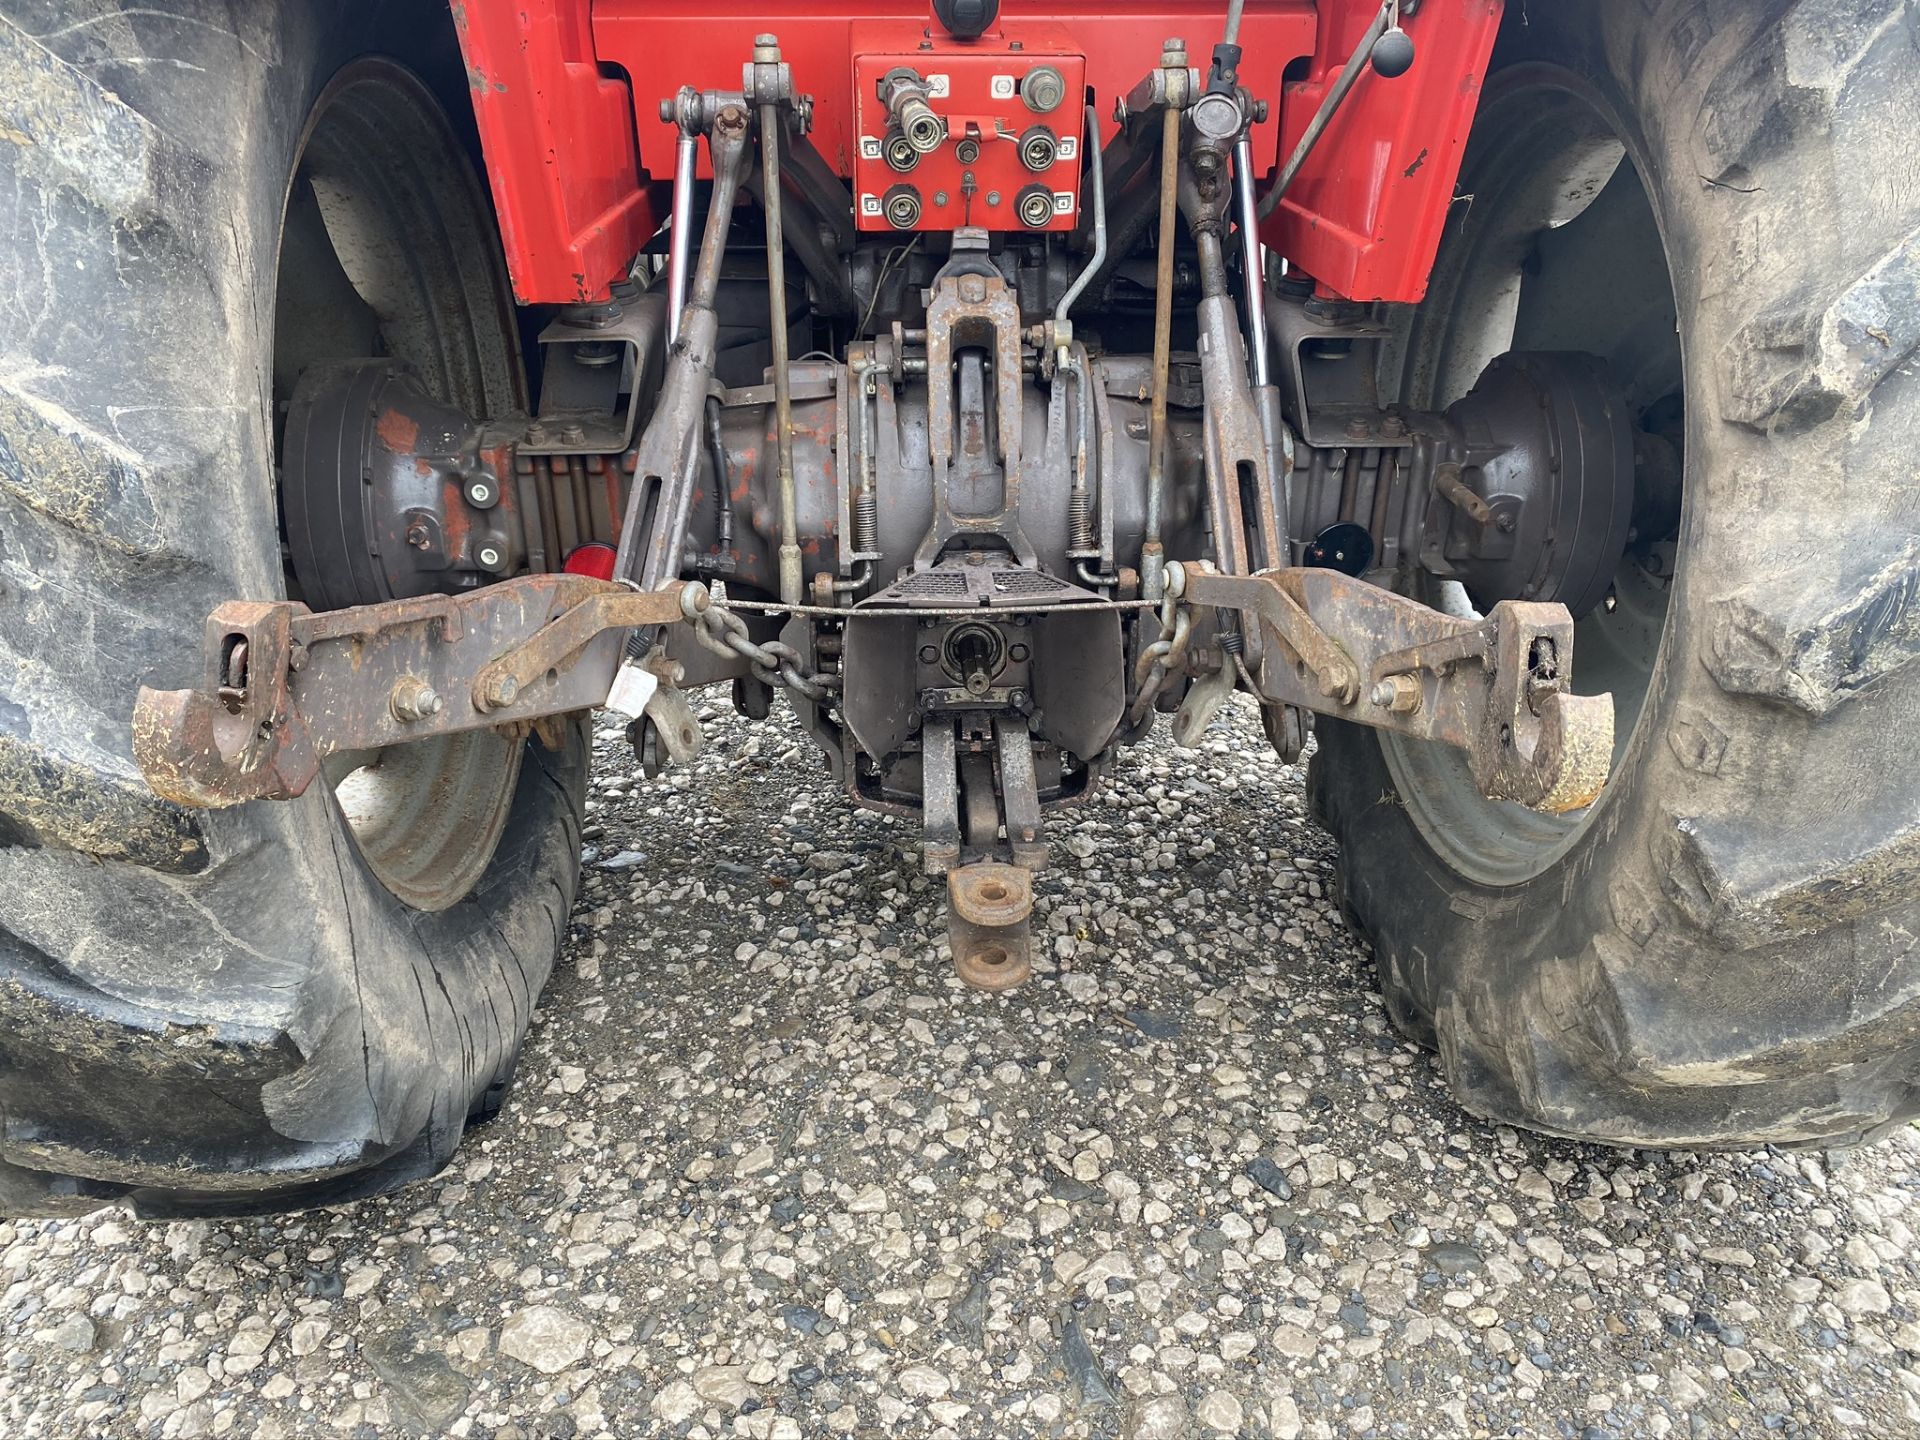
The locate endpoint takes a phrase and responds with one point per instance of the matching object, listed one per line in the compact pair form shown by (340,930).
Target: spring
(1079,521)
(866,521)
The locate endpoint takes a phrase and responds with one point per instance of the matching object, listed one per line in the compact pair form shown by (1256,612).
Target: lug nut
(413,699)
(1034,205)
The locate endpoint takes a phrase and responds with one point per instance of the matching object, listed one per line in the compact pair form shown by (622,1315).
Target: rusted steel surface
(284,687)
(990,907)
(1496,688)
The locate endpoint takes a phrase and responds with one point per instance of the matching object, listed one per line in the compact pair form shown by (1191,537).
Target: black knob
(965,19)
(1392,53)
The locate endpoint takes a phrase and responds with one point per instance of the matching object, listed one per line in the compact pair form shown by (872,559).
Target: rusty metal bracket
(989,924)
(1496,688)
(1268,596)
(284,687)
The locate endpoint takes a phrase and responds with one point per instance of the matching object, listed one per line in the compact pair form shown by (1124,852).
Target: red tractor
(1522,403)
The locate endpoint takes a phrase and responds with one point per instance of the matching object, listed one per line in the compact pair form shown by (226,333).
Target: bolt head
(414,699)
(502,690)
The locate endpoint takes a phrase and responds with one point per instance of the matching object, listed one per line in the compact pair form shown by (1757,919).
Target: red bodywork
(579,160)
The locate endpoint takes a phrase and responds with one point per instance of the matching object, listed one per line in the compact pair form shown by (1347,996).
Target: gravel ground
(770,1171)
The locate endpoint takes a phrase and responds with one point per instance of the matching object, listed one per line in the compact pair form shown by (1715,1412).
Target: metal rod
(1153,554)
(680,231)
(1094,167)
(1231,34)
(1356,62)
(728,126)
(790,577)
(722,480)
(1252,260)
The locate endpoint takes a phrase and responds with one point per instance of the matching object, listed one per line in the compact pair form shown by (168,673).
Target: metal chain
(725,633)
(719,628)
(1167,652)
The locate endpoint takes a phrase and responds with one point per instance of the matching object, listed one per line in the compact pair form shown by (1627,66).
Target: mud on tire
(1727,953)
(199,1010)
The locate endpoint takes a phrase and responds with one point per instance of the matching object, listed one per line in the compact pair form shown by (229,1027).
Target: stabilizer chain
(724,632)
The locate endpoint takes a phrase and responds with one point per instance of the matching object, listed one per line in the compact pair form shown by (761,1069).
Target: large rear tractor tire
(281,1004)
(1722,950)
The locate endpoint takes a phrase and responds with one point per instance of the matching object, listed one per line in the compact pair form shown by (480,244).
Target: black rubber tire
(199,1011)
(1727,955)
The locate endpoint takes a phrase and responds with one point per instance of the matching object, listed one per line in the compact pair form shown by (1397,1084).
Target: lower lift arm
(284,687)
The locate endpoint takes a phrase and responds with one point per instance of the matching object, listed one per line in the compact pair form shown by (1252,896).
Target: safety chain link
(1170,650)
(725,633)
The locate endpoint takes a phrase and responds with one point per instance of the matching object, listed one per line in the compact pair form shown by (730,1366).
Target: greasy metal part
(1540,475)
(1019,792)
(979,806)
(671,730)
(1335,675)
(1496,688)
(1153,553)
(594,358)
(387,492)
(284,687)
(722,558)
(1450,487)
(766,53)
(503,681)
(940,798)
(1203,701)
(667,459)
(1322,117)
(971,294)
(1328,378)
(818,227)
(990,909)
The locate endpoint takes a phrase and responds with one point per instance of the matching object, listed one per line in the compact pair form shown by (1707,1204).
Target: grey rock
(545,1338)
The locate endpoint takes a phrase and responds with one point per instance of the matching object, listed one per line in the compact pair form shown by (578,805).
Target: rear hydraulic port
(906,95)
(1039,148)
(901,206)
(1034,205)
(899,153)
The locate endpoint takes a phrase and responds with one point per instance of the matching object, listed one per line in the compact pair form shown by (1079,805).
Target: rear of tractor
(1523,404)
